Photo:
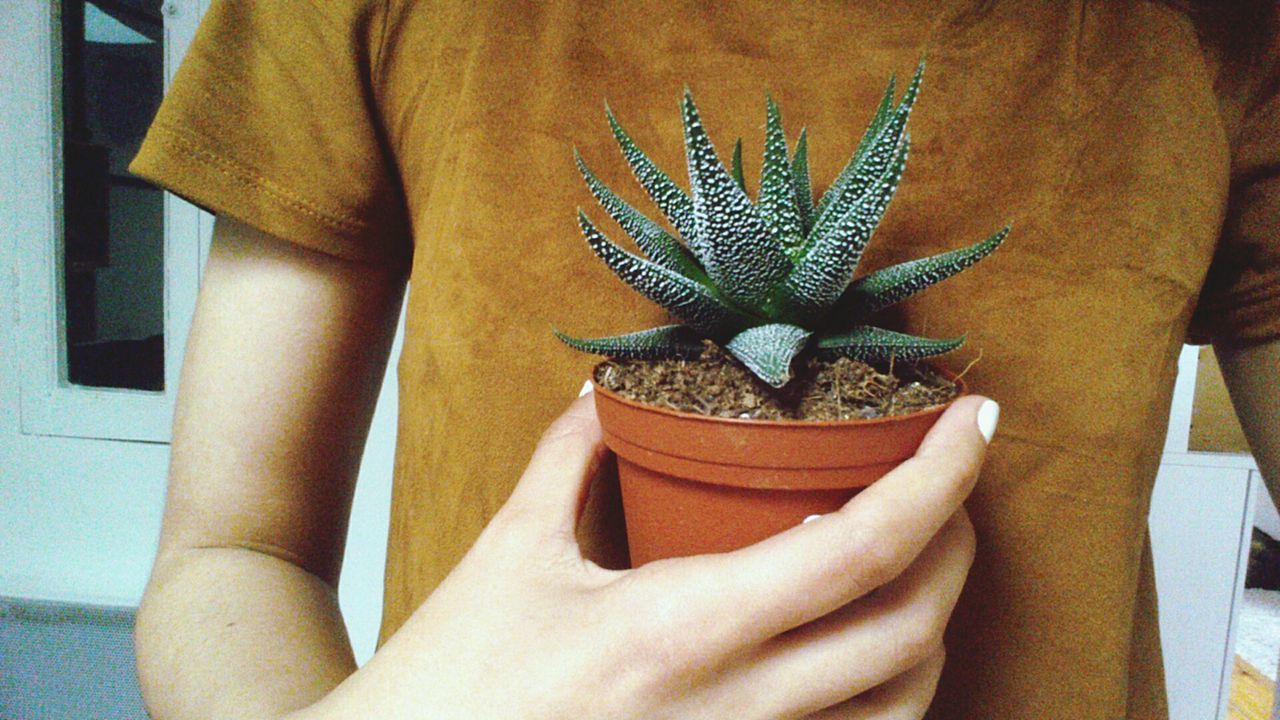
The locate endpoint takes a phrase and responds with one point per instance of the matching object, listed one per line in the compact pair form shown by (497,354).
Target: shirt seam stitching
(243,174)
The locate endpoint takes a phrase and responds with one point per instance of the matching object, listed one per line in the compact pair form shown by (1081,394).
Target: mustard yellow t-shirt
(1132,148)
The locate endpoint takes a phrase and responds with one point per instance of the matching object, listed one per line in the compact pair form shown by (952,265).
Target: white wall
(80,517)
(360,591)
(1199,585)
(1266,517)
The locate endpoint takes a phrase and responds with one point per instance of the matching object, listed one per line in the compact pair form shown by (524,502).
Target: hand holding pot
(526,627)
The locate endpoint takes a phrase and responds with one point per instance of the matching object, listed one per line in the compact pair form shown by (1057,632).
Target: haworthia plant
(772,278)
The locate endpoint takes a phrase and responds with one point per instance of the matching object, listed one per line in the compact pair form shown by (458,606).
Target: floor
(1252,693)
(1253,678)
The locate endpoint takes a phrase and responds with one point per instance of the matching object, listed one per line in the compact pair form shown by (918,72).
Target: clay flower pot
(693,484)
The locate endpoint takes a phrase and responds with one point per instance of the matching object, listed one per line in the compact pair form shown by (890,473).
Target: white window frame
(50,404)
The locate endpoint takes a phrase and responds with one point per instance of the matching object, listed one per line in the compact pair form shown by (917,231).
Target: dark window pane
(113,222)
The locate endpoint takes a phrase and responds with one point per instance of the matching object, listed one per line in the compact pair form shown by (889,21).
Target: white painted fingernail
(988,418)
(586,388)
(810,519)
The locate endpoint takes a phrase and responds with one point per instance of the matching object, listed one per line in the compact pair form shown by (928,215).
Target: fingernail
(586,388)
(988,418)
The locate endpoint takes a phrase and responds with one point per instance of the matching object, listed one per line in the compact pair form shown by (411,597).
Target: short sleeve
(272,119)
(1240,299)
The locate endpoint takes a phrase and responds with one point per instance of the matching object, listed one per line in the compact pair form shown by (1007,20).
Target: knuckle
(642,613)
(876,559)
(926,627)
(556,437)
(929,672)
(935,662)
(502,537)
(568,425)
(660,657)
(933,626)
(675,646)
(516,533)
(919,644)
(969,479)
(957,464)
(666,637)
(959,472)
(957,546)
(565,438)
(509,519)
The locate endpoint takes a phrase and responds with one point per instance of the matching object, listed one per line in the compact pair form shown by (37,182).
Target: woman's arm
(1252,374)
(240,618)
(286,354)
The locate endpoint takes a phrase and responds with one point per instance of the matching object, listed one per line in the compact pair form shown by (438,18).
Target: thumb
(553,488)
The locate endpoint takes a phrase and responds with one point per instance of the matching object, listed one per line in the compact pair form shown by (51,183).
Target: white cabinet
(1201,522)
(1200,543)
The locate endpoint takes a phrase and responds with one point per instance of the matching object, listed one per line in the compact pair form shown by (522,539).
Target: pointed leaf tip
(671,200)
(875,154)
(777,187)
(689,300)
(873,344)
(738,175)
(656,243)
(896,283)
(824,271)
(741,256)
(667,341)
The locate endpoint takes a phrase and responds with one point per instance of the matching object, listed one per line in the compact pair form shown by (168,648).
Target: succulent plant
(769,279)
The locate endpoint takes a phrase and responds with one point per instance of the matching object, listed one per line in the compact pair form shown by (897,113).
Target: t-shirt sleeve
(1240,299)
(272,119)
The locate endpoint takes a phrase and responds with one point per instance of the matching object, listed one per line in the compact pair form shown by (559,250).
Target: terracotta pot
(693,484)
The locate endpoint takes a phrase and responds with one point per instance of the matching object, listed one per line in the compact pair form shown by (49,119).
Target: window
(108,265)
(112,222)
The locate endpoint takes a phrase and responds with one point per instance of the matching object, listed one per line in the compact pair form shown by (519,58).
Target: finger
(875,639)
(906,697)
(552,490)
(814,568)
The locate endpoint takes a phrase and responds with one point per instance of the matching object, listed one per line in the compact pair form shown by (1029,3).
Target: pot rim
(884,419)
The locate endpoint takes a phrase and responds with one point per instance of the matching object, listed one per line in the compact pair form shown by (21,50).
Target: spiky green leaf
(738,177)
(740,256)
(671,200)
(869,164)
(767,350)
(873,344)
(667,341)
(894,284)
(803,187)
(777,194)
(886,112)
(869,136)
(653,241)
(825,271)
(692,302)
